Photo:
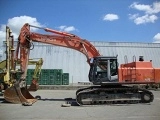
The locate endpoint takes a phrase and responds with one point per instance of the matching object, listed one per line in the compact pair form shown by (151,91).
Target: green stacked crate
(52,76)
(45,80)
(29,76)
(40,79)
(58,76)
(18,75)
(28,82)
(65,80)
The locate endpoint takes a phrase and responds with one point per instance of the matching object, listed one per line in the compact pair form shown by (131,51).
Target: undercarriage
(113,94)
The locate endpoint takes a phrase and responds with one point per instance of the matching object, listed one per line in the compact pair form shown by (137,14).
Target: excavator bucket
(34,85)
(18,95)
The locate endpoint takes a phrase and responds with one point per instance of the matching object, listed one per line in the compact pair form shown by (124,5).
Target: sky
(93,20)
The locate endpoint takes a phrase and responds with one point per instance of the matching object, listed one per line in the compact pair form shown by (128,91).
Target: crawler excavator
(112,83)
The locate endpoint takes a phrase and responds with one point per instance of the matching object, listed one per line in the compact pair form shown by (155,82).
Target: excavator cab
(103,70)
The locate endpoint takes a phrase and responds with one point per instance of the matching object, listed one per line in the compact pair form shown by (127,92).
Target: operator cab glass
(103,69)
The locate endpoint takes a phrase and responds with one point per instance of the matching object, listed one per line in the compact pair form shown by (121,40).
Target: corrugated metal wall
(71,61)
(150,51)
(74,62)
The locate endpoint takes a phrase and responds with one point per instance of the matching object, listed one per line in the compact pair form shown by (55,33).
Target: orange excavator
(112,83)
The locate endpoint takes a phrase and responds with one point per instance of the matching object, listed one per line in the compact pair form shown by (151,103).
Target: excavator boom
(59,39)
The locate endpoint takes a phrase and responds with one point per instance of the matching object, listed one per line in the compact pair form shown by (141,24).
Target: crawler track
(119,94)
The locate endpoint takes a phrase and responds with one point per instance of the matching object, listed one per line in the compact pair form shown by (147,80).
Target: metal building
(74,62)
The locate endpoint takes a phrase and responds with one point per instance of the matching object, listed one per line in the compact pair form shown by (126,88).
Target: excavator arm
(36,75)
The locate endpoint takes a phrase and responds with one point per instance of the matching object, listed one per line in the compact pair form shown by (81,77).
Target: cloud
(2,33)
(150,12)
(15,25)
(156,38)
(110,17)
(134,16)
(148,9)
(67,28)
(143,19)
(140,7)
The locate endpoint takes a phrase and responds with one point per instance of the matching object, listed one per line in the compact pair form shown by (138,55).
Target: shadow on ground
(2,100)
(70,101)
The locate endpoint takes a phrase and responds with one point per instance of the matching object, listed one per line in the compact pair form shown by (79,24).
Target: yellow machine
(36,75)
(9,72)
(4,74)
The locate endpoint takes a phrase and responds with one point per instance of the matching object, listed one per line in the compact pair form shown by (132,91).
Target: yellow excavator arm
(36,75)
